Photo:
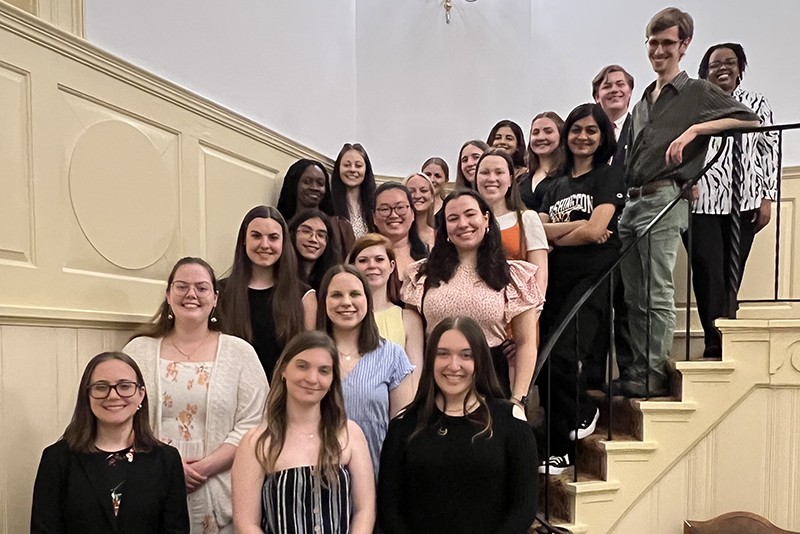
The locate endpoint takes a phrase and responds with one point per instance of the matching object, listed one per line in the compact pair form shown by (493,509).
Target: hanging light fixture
(448,5)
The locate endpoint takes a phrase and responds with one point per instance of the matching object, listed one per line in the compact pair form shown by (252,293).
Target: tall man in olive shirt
(671,125)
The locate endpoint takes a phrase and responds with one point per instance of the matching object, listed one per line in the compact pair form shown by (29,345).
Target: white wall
(289,65)
(393,76)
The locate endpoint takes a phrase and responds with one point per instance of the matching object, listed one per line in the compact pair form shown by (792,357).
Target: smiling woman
(467,270)
(375,373)
(459,439)
(262,300)
(580,212)
(395,218)
(108,454)
(311,233)
(305,451)
(191,367)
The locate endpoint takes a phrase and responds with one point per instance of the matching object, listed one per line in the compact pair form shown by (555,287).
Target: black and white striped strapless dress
(293,501)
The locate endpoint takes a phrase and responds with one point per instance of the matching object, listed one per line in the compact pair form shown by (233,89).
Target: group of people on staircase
(369,354)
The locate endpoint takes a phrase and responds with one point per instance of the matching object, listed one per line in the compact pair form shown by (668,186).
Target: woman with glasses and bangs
(459,458)
(210,389)
(311,234)
(108,472)
(395,218)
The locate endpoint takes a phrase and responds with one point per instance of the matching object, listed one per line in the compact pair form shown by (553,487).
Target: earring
(169,312)
(213,319)
(139,407)
(448,239)
(487,230)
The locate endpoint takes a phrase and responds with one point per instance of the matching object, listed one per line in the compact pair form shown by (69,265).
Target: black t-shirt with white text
(574,199)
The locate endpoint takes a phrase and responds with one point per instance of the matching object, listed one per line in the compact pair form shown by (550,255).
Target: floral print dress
(184,404)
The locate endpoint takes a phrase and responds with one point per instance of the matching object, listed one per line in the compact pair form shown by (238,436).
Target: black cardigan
(69,495)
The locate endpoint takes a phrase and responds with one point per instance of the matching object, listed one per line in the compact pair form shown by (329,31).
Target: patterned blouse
(359,224)
(116,464)
(759,165)
(467,294)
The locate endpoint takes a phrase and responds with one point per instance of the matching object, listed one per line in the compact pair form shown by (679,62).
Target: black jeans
(711,237)
(585,341)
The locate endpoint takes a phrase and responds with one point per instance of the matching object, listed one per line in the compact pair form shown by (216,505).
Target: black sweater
(453,484)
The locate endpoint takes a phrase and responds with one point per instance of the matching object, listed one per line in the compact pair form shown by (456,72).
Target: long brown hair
(161,324)
(461,179)
(287,301)
(366,191)
(532,160)
(333,415)
(513,200)
(369,338)
(378,240)
(484,381)
(82,429)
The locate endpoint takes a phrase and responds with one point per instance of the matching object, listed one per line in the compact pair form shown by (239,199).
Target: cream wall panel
(254,184)
(750,461)
(40,368)
(129,173)
(16,187)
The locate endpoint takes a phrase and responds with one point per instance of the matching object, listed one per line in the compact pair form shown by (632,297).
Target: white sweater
(237,392)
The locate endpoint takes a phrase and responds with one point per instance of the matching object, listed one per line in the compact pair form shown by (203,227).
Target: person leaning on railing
(671,125)
(724,65)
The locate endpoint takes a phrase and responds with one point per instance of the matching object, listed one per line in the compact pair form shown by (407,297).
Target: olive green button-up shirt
(682,103)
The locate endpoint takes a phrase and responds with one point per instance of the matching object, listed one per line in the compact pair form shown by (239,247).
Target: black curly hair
(444,260)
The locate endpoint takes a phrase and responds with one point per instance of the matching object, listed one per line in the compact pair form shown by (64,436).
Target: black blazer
(70,495)
(622,143)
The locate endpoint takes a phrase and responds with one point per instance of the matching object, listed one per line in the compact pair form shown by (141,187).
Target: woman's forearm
(219,461)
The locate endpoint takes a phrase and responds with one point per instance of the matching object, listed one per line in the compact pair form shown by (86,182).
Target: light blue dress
(366,392)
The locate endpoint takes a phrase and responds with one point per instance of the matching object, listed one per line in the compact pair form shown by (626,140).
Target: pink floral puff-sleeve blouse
(466,294)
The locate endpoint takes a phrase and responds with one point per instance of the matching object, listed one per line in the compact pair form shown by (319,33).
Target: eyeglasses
(653,44)
(102,390)
(307,232)
(730,63)
(386,211)
(201,289)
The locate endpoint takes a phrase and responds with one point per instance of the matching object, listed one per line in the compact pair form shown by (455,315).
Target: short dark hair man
(724,65)
(671,125)
(612,88)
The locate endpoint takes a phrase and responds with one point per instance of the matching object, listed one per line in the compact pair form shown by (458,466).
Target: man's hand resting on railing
(762,215)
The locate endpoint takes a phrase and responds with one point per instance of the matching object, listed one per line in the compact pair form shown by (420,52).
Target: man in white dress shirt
(612,88)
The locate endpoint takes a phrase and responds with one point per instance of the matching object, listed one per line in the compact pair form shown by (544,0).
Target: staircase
(650,437)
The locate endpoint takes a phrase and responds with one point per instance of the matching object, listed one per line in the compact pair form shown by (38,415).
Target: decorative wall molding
(29,27)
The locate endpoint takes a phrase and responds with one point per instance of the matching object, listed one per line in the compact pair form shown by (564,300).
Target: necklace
(189,356)
(349,356)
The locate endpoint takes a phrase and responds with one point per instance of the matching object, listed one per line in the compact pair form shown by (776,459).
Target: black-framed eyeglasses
(102,390)
(386,211)
(730,63)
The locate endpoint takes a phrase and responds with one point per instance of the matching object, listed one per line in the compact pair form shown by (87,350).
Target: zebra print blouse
(294,502)
(759,165)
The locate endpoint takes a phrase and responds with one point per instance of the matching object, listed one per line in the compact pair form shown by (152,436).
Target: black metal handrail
(734,283)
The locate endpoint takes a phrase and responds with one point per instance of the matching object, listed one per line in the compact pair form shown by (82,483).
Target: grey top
(682,103)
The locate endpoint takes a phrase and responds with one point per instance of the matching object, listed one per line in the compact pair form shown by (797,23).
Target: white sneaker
(587,426)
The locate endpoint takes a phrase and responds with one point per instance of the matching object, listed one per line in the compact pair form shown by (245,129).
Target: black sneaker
(586,426)
(558,464)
